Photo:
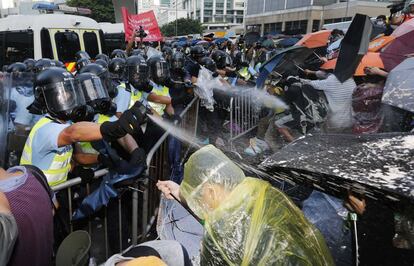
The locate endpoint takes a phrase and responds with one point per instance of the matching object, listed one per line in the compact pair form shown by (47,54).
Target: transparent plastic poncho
(248,222)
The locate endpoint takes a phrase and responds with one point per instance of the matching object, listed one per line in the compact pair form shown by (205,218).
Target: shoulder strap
(41,178)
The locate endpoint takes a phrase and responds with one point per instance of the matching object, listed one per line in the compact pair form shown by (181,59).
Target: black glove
(184,99)
(86,174)
(138,157)
(129,123)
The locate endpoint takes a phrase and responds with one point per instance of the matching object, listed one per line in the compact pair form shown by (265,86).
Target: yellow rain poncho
(247,221)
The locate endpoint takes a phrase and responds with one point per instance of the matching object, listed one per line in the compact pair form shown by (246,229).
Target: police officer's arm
(152,97)
(82,131)
(84,158)
(128,143)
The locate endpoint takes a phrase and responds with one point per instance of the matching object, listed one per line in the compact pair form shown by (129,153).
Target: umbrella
(354,46)
(220,40)
(288,42)
(286,61)
(399,88)
(315,39)
(369,60)
(268,43)
(404,28)
(251,37)
(379,166)
(396,52)
(379,43)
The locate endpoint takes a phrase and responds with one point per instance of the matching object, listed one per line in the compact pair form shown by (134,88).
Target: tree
(102,10)
(184,26)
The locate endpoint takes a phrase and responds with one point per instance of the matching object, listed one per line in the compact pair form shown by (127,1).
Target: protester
(8,230)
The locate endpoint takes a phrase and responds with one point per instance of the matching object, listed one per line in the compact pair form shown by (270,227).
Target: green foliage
(184,26)
(102,10)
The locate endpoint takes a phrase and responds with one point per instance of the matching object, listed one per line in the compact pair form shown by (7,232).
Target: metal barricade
(145,196)
(244,115)
(158,168)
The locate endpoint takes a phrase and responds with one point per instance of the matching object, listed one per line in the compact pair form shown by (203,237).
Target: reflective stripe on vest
(135,97)
(244,72)
(59,168)
(159,107)
(103,118)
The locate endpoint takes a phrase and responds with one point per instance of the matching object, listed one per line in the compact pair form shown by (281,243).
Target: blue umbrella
(220,40)
(288,42)
(267,68)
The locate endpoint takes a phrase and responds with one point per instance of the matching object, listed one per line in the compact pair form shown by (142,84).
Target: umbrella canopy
(286,61)
(379,43)
(354,46)
(379,166)
(404,28)
(315,39)
(251,37)
(288,42)
(268,43)
(396,52)
(369,60)
(399,88)
(220,40)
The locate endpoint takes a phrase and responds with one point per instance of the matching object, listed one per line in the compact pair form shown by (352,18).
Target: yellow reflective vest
(159,107)
(59,168)
(86,147)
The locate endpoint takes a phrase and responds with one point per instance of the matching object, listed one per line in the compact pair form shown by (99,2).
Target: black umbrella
(379,166)
(286,62)
(353,47)
(399,89)
(251,37)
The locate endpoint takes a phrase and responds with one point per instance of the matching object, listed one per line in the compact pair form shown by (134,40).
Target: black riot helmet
(197,52)
(159,69)
(118,53)
(137,72)
(177,61)
(208,63)
(103,74)
(101,62)
(16,68)
(103,57)
(82,63)
(30,63)
(82,54)
(95,93)
(43,64)
(137,52)
(240,60)
(56,93)
(220,58)
(117,68)
(167,53)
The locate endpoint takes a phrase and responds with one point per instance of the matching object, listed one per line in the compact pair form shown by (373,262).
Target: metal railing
(244,115)
(145,196)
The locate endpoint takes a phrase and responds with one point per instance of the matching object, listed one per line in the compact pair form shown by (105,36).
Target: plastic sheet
(208,176)
(247,221)
(153,52)
(204,89)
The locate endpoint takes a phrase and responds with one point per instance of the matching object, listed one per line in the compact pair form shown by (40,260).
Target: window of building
(296,27)
(219,19)
(67,44)
(239,12)
(208,4)
(337,20)
(208,12)
(239,4)
(47,51)
(220,5)
(239,20)
(316,24)
(17,46)
(219,12)
(91,43)
(273,27)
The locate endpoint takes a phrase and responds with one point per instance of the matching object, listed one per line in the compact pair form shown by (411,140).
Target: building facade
(216,14)
(303,16)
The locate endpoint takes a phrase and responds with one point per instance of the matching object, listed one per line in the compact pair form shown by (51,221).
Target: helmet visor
(161,70)
(63,96)
(93,89)
(138,72)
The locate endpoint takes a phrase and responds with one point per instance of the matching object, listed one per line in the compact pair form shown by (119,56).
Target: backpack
(315,110)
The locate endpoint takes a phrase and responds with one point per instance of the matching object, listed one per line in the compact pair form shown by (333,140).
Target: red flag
(147,20)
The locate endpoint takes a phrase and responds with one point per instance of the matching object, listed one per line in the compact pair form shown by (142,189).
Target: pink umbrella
(398,50)
(404,28)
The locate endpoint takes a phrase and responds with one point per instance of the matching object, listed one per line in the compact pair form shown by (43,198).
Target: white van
(54,36)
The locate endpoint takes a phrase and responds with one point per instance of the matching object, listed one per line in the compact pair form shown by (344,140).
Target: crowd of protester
(96,117)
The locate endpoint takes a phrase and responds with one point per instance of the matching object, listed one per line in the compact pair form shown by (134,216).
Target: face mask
(380,23)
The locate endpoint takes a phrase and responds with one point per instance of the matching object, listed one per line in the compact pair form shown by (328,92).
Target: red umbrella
(397,51)
(404,28)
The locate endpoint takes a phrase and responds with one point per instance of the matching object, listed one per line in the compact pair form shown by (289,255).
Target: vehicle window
(47,51)
(67,45)
(1,50)
(91,43)
(18,46)
(102,39)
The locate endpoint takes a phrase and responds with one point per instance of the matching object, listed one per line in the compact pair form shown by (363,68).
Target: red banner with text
(148,22)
